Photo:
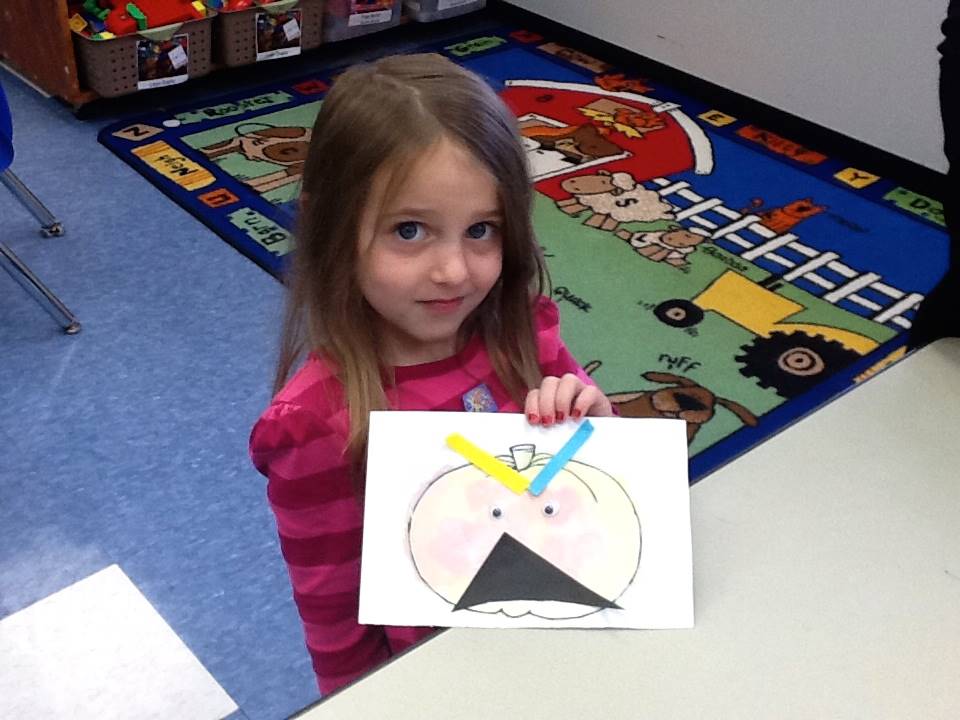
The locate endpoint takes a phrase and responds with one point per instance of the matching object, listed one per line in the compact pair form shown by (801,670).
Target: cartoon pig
(567,553)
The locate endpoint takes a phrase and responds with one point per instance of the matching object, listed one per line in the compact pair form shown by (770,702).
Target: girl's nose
(449,263)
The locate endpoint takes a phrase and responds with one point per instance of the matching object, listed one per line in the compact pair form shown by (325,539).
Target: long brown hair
(382,116)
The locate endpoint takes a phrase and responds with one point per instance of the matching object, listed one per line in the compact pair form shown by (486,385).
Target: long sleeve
(319,522)
(554,357)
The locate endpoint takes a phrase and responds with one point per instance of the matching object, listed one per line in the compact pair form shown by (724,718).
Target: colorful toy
(96,9)
(235,5)
(123,18)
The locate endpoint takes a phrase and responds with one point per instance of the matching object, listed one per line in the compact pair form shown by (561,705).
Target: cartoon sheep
(613,199)
(670,246)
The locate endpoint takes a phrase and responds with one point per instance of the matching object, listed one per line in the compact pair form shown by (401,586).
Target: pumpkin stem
(523,455)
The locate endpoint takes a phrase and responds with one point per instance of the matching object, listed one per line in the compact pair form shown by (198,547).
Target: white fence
(759,241)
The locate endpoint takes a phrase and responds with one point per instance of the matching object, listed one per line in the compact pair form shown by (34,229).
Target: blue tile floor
(127,444)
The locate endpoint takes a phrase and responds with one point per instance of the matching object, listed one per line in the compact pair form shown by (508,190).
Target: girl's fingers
(547,400)
(531,407)
(585,402)
(567,397)
(567,390)
(593,402)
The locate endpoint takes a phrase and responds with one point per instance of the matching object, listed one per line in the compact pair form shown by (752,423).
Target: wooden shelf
(36,41)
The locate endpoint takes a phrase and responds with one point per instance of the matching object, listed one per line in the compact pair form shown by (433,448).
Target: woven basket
(109,67)
(236,35)
(431,10)
(342,23)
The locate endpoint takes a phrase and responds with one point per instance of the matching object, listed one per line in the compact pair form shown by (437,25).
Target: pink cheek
(569,504)
(571,544)
(586,549)
(458,547)
(571,553)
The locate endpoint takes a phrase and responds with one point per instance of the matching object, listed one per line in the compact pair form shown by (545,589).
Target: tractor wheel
(792,363)
(678,313)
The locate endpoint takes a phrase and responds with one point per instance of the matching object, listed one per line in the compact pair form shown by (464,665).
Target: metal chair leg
(48,223)
(66,318)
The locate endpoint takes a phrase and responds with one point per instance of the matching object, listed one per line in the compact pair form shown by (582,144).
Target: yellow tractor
(789,357)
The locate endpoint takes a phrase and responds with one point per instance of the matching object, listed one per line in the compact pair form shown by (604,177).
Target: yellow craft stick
(488,463)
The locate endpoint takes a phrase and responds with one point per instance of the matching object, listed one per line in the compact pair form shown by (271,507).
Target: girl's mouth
(442,305)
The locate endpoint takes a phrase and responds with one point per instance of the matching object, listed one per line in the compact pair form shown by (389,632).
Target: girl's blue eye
(409,230)
(480,230)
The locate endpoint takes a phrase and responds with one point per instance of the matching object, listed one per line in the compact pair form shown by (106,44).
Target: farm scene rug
(705,267)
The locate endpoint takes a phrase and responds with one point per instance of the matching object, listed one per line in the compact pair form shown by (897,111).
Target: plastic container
(349,18)
(430,10)
(165,55)
(240,36)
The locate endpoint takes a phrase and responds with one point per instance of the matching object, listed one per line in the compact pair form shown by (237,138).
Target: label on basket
(292,30)
(178,57)
(370,12)
(162,62)
(447,4)
(278,35)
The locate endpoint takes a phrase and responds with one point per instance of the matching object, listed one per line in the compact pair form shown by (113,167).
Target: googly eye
(496,513)
(551,509)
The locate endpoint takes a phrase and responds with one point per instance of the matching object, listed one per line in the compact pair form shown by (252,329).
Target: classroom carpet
(706,268)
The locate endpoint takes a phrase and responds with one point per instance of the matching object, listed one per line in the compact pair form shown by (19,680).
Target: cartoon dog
(785,218)
(276,145)
(687,401)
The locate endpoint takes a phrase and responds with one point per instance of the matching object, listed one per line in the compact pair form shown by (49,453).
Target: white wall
(865,68)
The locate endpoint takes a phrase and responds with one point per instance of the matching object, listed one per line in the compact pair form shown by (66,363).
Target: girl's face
(432,254)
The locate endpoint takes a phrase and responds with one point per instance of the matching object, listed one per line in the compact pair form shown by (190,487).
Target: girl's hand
(559,398)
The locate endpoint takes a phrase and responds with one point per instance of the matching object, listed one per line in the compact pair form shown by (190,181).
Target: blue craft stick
(562,457)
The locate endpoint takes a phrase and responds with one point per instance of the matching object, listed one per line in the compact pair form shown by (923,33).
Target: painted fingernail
(534,419)
(559,417)
(575,413)
(548,420)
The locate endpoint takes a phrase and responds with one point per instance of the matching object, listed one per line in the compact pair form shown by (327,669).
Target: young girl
(416,285)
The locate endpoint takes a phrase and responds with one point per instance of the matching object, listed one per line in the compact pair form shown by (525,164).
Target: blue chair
(49,225)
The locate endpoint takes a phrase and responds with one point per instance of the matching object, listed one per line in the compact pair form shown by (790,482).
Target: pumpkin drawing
(569,552)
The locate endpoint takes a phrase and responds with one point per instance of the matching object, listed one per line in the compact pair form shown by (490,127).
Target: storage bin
(349,18)
(430,10)
(243,38)
(165,55)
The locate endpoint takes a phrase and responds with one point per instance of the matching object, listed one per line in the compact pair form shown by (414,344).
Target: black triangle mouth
(512,571)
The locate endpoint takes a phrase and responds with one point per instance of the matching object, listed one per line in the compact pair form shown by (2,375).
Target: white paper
(292,29)
(98,650)
(178,57)
(408,460)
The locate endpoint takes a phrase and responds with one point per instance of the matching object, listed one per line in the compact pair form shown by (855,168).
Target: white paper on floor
(99,650)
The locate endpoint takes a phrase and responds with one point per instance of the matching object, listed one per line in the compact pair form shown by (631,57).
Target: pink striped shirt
(299,445)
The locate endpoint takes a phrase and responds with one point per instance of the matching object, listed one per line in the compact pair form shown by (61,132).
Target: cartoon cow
(581,143)
(568,552)
(275,145)
(544,161)
(612,199)
(669,246)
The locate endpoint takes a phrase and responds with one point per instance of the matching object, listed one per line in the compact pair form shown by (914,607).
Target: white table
(827,581)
